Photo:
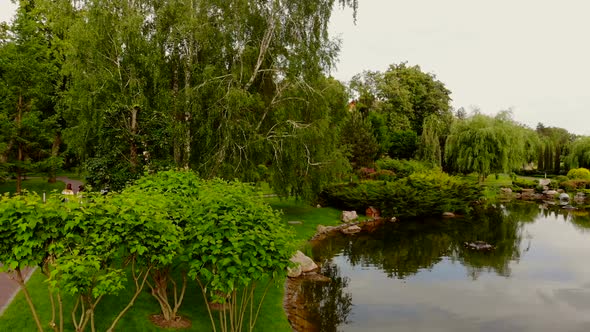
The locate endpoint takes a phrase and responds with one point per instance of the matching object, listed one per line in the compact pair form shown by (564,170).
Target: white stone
(351,229)
(294,272)
(307,264)
(348,216)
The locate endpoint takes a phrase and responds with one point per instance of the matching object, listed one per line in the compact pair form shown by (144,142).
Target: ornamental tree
(239,241)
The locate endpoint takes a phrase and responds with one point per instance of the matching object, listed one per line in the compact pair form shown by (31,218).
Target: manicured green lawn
(33,185)
(17,316)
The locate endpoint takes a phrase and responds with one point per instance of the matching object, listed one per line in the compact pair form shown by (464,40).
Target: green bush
(573,185)
(521,183)
(384,175)
(420,194)
(402,168)
(579,173)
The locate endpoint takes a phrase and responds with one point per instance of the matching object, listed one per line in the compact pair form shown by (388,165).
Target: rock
(295,222)
(551,193)
(569,207)
(351,229)
(564,197)
(517,196)
(479,246)
(321,229)
(505,191)
(393,219)
(545,188)
(318,206)
(294,272)
(544,182)
(348,216)
(306,263)
(448,215)
(372,212)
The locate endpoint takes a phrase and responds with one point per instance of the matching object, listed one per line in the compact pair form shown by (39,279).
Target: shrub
(573,185)
(384,175)
(420,194)
(579,173)
(521,183)
(402,168)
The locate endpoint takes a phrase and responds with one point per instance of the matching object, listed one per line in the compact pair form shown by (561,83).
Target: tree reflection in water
(405,248)
(326,303)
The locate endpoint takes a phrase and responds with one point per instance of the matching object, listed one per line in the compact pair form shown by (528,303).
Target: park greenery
(220,235)
(182,108)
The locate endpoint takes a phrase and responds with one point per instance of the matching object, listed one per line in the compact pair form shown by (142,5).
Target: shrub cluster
(579,173)
(520,183)
(420,194)
(401,167)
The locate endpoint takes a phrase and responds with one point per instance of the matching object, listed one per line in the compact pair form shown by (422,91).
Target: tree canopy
(485,144)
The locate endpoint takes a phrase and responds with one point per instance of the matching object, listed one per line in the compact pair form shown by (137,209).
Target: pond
(419,276)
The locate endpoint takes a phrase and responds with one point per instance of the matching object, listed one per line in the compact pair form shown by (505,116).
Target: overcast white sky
(529,55)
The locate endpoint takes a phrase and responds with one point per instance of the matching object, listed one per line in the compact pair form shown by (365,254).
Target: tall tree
(408,91)
(579,153)
(218,86)
(27,74)
(554,144)
(486,145)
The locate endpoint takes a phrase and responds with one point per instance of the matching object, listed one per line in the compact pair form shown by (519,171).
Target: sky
(531,56)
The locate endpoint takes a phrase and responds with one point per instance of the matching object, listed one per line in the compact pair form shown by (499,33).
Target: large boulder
(307,264)
(351,229)
(564,197)
(544,182)
(348,216)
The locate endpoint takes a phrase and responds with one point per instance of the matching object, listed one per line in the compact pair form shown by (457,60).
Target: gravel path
(8,287)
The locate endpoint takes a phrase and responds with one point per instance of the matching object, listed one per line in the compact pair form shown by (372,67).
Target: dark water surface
(419,276)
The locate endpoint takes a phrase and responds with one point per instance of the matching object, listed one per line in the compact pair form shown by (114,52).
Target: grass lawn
(33,185)
(17,316)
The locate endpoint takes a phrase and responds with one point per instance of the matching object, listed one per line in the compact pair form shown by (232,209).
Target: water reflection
(411,270)
(327,303)
(403,249)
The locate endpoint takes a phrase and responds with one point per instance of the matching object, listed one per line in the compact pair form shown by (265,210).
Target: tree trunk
(20,146)
(54,154)
(133,148)
(557,160)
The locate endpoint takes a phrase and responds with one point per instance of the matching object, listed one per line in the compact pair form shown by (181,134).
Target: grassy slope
(35,184)
(17,317)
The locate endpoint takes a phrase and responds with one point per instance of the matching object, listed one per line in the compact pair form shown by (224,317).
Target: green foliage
(487,145)
(577,184)
(404,94)
(579,173)
(238,238)
(403,144)
(523,183)
(157,84)
(357,136)
(579,153)
(420,194)
(402,168)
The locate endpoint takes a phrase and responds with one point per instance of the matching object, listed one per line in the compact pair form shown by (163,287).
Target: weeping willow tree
(222,87)
(435,131)
(487,145)
(579,154)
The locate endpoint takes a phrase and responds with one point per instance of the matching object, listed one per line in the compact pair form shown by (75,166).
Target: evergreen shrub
(402,167)
(420,194)
(579,173)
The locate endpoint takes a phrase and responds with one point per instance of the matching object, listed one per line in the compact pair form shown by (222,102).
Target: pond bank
(294,304)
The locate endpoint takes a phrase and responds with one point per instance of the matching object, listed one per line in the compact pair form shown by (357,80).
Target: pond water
(419,276)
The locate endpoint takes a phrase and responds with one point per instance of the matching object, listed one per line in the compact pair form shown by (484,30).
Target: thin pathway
(8,287)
